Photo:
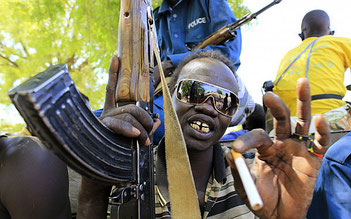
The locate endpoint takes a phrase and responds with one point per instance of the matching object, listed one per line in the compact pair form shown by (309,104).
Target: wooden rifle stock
(218,37)
(135,52)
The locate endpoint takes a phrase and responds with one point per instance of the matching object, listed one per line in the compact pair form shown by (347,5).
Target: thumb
(110,100)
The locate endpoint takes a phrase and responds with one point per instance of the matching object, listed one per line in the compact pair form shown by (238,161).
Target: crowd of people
(296,177)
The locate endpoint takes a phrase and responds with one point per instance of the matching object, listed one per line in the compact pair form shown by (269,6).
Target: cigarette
(246,178)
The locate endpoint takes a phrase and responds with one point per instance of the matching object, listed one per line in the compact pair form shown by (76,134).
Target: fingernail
(147,142)
(152,131)
(136,131)
(231,164)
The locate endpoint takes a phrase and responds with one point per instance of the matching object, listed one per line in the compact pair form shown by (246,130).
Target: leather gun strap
(184,201)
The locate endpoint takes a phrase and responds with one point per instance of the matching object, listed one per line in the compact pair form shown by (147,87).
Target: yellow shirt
(329,59)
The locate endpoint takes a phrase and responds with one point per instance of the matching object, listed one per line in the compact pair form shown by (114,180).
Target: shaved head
(315,23)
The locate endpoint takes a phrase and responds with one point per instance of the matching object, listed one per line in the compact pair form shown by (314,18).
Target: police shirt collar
(164,7)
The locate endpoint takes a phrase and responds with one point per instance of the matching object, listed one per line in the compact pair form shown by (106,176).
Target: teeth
(194,126)
(200,126)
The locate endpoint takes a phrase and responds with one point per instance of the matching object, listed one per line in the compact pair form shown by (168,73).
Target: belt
(326,96)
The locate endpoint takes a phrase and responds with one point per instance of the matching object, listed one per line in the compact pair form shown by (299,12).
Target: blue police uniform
(188,23)
(333,187)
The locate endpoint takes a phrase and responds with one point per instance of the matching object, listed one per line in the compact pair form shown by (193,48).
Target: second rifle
(228,31)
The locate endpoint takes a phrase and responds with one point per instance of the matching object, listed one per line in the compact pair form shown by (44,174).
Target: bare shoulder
(18,152)
(33,181)
(19,142)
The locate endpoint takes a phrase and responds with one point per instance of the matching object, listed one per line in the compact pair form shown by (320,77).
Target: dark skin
(315,23)
(200,142)
(283,162)
(33,181)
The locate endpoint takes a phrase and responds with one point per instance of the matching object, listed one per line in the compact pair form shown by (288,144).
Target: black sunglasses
(197,92)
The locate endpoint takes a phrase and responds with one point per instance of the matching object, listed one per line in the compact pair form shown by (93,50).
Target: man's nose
(207,107)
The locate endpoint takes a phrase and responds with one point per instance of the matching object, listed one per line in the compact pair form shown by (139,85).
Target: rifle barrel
(265,8)
(248,18)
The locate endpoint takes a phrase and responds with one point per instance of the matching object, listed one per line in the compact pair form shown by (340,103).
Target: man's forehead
(206,66)
(209,70)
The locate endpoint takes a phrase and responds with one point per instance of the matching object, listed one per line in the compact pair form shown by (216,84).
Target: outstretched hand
(284,170)
(129,120)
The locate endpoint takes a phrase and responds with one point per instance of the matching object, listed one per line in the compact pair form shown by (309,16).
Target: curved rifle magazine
(56,113)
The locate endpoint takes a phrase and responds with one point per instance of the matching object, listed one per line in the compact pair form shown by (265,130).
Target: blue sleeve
(176,58)
(333,191)
(158,108)
(98,112)
(231,136)
(220,15)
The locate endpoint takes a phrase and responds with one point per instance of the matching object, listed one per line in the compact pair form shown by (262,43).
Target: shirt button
(175,15)
(176,35)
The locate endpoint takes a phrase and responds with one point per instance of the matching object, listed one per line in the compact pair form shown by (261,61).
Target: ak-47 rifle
(228,31)
(135,85)
(54,111)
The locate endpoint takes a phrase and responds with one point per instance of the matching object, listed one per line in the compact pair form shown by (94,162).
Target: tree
(35,34)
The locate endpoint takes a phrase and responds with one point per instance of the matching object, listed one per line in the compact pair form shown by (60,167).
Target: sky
(269,37)
(275,32)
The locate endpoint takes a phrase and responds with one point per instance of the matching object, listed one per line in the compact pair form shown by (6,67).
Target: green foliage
(10,129)
(156,3)
(35,34)
(238,8)
(40,33)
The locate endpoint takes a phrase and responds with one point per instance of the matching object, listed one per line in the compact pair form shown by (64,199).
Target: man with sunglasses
(323,59)
(284,171)
(180,26)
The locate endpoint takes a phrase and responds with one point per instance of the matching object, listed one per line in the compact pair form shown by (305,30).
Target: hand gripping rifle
(228,31)
(55,111)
